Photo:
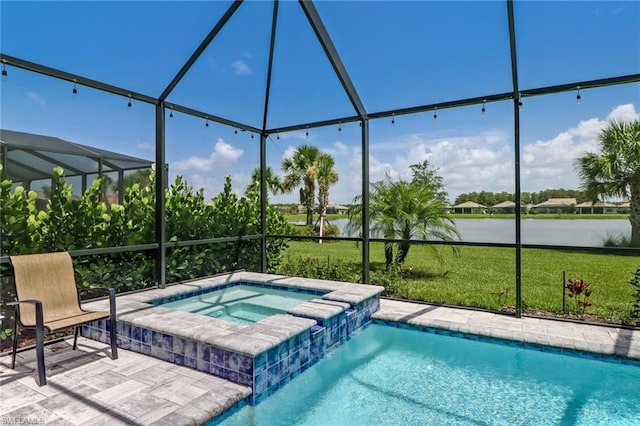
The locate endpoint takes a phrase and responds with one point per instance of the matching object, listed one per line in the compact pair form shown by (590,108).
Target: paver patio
(86,387)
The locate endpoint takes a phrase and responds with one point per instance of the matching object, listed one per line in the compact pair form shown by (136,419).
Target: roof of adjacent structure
(469,204)
(31,157)
(504,205)
(337,206)
(558,202)
(597,204)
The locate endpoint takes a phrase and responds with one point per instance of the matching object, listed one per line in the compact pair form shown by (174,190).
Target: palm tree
(272,180)
(302,170)
(615,172)
(404,210)
(327,176)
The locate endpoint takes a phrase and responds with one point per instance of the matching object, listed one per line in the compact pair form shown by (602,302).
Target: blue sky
(398,54)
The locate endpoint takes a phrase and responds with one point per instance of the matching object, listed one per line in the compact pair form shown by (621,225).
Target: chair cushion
(83,318)
(48,278)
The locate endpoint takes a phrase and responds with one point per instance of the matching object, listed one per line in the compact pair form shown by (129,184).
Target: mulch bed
(586,318)
(28,338)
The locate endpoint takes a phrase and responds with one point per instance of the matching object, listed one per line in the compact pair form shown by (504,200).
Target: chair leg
(114,340)
(112,324)
(42,377)
(15,343)
(76,331)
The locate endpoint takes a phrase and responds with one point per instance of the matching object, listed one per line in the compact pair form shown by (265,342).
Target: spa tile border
(264,355)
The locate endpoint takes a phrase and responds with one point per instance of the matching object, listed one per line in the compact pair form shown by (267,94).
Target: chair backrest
(48,278)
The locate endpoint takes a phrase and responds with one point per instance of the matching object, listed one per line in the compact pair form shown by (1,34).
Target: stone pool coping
(563,335)
(137,309)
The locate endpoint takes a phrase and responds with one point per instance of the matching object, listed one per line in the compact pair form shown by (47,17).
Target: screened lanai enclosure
(32,158)
(263,114)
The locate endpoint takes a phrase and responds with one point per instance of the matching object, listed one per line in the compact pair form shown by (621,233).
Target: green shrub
(18,219)
(314,230)
(329,231)
(617,240)
(303,230)
(635,282)
(331,269)
(389,279)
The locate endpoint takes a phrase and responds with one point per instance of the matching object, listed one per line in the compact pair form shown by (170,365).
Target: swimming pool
(242,303)
(396,376)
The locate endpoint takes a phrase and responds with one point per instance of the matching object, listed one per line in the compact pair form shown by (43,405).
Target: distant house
(623,206)
(282,209)
(469,207)
(504,207)
(336,209)
(598,207)
(556,205)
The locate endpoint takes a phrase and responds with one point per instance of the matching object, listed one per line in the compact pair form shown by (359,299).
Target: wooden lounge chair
(49,301)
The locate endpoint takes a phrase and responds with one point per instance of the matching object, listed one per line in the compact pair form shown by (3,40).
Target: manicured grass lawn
(485,276)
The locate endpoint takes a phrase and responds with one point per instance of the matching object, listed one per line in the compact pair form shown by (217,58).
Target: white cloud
(223,154)
(379,170)
(241,68)
(239,180)
(466,163)
(211,185)
(338,149)
(145,146)
(296,135)
(551,163)
(473,163)
(288,153)
(626,112)
(34,97)
(463,162)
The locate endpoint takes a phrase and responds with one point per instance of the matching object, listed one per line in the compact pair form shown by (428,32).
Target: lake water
(573,232)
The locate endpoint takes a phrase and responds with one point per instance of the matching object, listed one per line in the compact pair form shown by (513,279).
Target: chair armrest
(31,302)
(38,307)
(112,297)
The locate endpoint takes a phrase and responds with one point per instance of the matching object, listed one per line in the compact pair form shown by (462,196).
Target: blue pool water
(392,376)
(243,303)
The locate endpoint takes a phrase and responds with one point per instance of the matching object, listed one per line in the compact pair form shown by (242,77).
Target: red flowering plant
(579,291)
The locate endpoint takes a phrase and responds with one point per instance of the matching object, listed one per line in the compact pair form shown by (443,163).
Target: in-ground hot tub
(263,354)
(244,304)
